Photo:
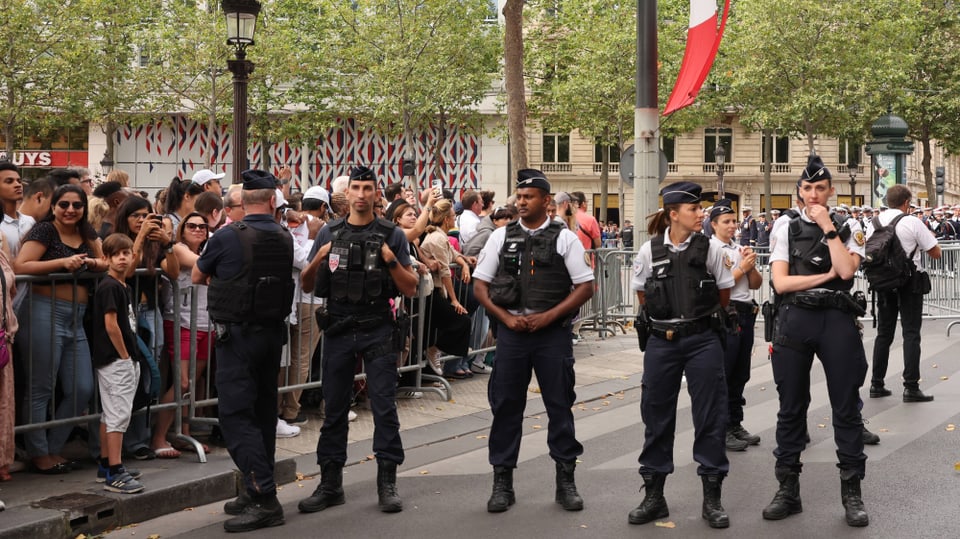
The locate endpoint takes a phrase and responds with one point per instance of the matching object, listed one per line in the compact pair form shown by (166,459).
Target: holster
(401,329)
(769,318)
(642,325)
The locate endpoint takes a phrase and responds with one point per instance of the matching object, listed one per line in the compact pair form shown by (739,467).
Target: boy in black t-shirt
(118,373)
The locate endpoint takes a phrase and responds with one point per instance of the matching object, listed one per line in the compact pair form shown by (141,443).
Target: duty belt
(672,331)
(745,307)
(826,299)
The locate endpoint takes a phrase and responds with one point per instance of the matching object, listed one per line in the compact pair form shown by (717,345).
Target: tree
(37,76)
(514,84)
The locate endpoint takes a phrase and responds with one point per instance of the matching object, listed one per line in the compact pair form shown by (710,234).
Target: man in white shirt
(469,220)
(915,238)
(15,225)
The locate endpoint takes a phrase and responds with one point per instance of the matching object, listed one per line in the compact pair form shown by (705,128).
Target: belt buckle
(669,334)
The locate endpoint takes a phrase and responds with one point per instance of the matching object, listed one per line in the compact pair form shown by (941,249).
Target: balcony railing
(697,170)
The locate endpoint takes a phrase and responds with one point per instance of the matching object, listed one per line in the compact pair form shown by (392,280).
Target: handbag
(4,345)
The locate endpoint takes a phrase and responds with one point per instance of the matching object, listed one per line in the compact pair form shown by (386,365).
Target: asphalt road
(911,488)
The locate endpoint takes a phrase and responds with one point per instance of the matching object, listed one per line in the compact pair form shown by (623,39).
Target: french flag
(703,41)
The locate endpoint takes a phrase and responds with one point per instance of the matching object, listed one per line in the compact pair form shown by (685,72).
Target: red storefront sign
(47,158)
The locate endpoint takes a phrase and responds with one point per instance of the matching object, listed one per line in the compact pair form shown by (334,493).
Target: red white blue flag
(703,41)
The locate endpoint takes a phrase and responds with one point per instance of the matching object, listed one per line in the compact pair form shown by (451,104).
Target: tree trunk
(212,123)
(513,82)
(932,198)
(604,176)
(110,153)
(410,151)
(438,150)
(767,166)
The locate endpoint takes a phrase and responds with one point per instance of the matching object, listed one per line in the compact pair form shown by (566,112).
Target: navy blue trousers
(664,364)
(339,365)
(833,336)
(549,353)
(737,365)
(248,363)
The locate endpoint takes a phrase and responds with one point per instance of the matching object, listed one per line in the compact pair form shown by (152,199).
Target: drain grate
(87,512)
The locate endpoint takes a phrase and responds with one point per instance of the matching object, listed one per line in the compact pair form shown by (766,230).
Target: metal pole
(241,69)
(646,121)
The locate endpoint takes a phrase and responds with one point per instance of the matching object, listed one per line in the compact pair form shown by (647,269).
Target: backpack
(886,265)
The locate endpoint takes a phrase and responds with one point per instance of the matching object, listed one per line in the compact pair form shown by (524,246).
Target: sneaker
(351,416)
(102,473)
(144,453)
(410,395)
(123,483)
(301,419)
(480,368)
(433,358)
(285,430)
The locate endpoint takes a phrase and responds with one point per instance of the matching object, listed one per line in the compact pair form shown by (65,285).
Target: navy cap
(531,177)
(814,171)
(258,179)
(681,193)
(362,173)
(721,207)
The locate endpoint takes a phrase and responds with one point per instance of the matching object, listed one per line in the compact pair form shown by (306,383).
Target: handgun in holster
(769,320)
(642,325)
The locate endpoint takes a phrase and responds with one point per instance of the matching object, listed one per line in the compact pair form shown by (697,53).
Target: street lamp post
(241,23)
(852,170)
(721,155)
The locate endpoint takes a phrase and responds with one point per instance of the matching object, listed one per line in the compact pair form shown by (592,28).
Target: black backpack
(886,265)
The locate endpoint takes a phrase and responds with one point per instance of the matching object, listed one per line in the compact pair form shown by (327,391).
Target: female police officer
(682,283)
(813,261)
(742,263)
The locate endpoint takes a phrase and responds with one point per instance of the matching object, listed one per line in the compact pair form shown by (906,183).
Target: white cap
(202,176)
(281,202)
(317,193)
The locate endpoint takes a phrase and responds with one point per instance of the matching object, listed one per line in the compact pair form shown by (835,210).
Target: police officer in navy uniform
(683,285)
(359,263)
(742,263)
(247,265)
(532,276)
(813,262)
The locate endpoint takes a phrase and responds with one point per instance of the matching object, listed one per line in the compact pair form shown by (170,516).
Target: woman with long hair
(448,318)
(63,242)
(683,286)
(191,237)
(7,399)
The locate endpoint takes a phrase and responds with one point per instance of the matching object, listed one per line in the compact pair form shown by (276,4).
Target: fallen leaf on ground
(670,525)
(424,472)
(944,377)
(537,427)
(606,403)
(821,426)
(535,389)
(763,388)
(371,457)
(583,525)
(153,536)
(482,437)
(951,427)
(440,408)
(884,430)
(935,365)
(956,466)
(299,476)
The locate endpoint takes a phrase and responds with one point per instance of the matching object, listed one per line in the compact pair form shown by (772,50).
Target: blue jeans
(59,352)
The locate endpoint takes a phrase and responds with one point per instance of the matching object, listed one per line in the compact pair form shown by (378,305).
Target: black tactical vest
(262,292)
(533,259)
(809,252)
(355,278)
(681,286)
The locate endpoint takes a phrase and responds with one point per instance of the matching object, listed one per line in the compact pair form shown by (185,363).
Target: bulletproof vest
(809,252)
(355,278)
(533,259)
(263,289)
(681,286)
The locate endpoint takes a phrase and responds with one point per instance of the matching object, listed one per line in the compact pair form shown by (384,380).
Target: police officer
(359,263)
(683,285)
(250,291)
(813,261)
(742,263)
(532,276)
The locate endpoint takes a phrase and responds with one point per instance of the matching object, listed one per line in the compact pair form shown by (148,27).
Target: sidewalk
(67,505)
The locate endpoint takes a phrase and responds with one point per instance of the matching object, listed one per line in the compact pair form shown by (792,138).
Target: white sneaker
(433,358)
(410,395)
(285,430)
(480,367)
(351,416)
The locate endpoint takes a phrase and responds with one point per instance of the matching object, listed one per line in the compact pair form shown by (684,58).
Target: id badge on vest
(337,256)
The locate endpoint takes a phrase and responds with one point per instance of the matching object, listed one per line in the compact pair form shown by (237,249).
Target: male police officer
(359,264)
(251,288)
(813,262)
(524,278)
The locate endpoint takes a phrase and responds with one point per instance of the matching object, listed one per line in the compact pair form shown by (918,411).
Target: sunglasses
(63,204)
(195,226)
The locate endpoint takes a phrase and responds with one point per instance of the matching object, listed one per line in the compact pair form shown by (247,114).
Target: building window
(493,12)
(714,136)
(556,148)
(669,147)
(850,152)
(613,152)
(781,149)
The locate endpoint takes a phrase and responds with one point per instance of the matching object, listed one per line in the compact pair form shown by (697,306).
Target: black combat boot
(713,511)
(567,494)
(786,501)
(235,507)
(913,394)
(743,434)
(502,497)
(735,444)
(329,492)
(259,513)
(387,487)
(852,502)
(654,505)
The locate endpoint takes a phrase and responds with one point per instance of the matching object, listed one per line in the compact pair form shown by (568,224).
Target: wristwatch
(168,247)
(832,234)
(392,264)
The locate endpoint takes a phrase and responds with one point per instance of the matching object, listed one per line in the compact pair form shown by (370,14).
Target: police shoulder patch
(859,238)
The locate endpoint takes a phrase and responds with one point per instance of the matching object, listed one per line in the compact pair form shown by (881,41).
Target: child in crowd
(118,373)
